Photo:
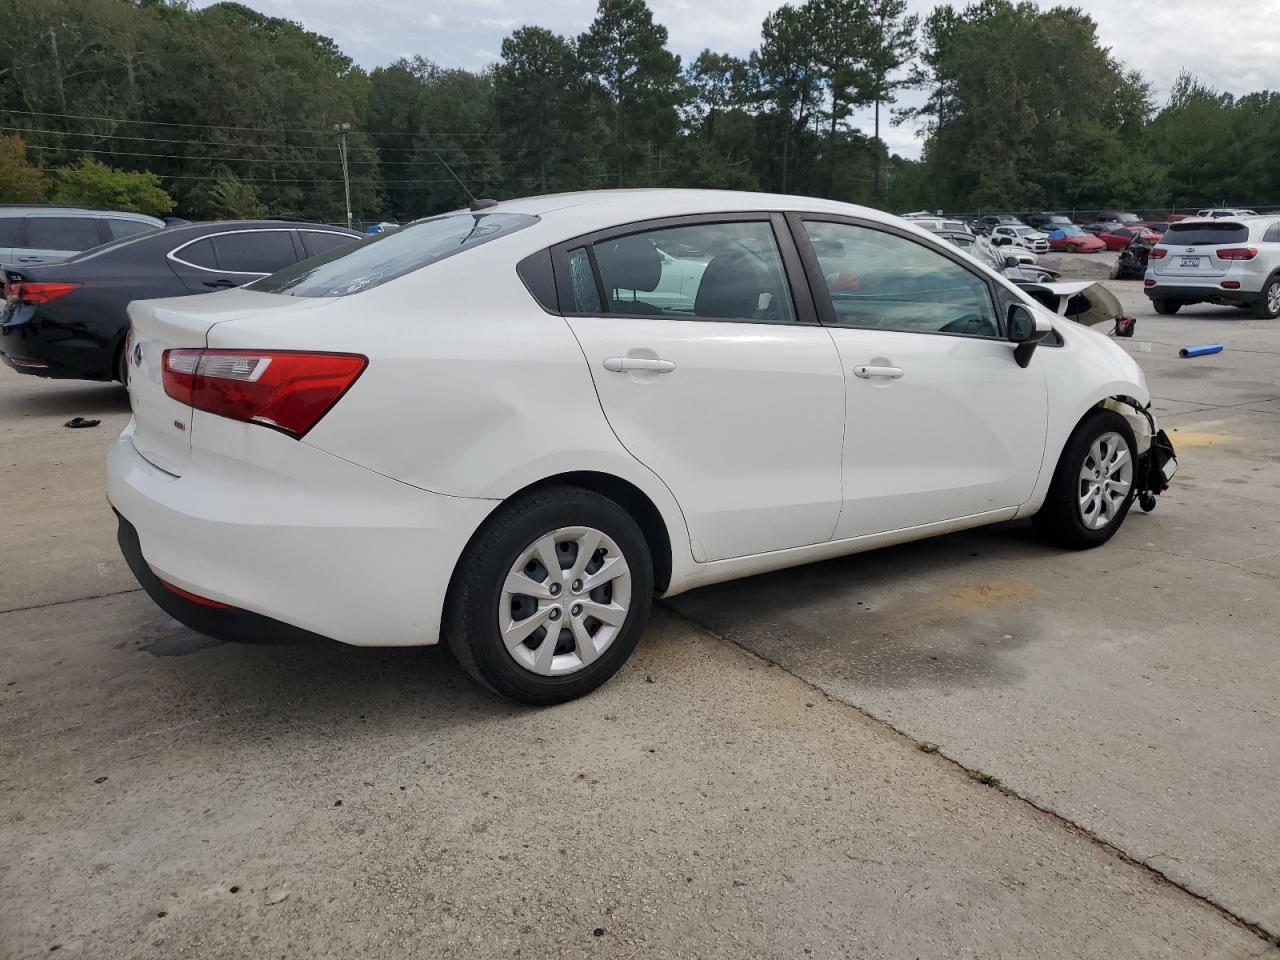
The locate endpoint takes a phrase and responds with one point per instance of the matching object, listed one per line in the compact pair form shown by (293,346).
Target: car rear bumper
(1210,291)
(306,545)
(32,345)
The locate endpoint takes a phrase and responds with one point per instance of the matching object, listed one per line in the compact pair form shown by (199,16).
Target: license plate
(1193,262)
(1170,468)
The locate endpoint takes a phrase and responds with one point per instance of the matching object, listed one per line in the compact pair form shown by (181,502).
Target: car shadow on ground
(45,398)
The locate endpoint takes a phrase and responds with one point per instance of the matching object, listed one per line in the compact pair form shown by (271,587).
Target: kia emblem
(137,354)
(1191,249)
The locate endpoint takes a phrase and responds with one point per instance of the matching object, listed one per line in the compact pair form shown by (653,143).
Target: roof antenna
(476,202)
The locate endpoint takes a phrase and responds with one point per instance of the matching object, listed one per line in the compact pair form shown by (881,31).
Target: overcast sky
(1238,53)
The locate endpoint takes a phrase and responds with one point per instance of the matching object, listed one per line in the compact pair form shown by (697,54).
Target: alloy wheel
(1273,298)
(1106,477)
(564,601)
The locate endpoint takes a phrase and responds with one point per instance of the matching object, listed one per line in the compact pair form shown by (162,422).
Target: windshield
(1024,231)
(351,268)
(1127,217)
(1071,231)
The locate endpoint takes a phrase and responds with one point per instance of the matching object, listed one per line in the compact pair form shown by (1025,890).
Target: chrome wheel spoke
(521,584)
(545,549)
(588,543)
(610,613)
(611,569)
(1105,480)
(586,644)
(518,631)
(546,651)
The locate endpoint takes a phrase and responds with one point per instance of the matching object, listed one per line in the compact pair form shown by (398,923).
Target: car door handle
(866,372)
(221,283)
(624,364)
(30,259)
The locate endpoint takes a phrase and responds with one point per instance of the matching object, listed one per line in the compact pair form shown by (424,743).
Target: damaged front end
(1086,302)
(1157,461)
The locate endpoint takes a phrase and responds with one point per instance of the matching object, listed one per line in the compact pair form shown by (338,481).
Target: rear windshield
(1205,234)
(350,269)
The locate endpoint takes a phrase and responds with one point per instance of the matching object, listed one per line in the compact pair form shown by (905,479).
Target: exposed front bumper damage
(1157,460)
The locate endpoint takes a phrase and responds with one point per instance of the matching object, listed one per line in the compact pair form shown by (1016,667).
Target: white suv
(1229,261)
(1020,236)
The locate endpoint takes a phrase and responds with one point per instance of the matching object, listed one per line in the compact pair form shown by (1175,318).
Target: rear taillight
(37,292)
(285,390)
(1157,254)
(1237,253)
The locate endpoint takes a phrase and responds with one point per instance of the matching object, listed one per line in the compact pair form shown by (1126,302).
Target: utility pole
(342,129)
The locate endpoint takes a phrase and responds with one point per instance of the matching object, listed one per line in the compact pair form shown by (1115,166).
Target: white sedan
(510,427)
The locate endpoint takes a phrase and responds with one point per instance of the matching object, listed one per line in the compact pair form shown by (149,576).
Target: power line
(218,126)
(253,146)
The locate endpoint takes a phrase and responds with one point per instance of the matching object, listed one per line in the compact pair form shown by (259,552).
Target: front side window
(882,281)
(713,271)
(62,233)
(370,263)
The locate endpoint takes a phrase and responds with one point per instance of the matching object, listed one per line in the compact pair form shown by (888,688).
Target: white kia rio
(512,426)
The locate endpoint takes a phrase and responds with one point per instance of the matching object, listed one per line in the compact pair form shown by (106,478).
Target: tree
(636,82)
(20,182)
(789,71)
(892,47)
(234,199)
(93,184)
(538,95)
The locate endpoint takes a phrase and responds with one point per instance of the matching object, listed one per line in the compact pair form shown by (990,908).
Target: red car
(1121,237)
(1074,240)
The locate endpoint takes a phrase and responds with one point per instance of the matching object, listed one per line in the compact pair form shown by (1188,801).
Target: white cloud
(1234,46)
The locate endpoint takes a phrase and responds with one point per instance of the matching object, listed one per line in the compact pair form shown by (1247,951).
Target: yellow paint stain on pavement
(999,593)
(1201,438)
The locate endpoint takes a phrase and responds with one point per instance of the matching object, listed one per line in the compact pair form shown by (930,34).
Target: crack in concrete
(1190,556)
(58,603)
(993,783)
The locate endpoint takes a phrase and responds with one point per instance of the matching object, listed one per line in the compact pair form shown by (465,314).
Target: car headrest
(731,287)
(629,263)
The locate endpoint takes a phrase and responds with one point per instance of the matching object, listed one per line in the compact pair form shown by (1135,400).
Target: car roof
(565,216)
(53,210)
(172,237)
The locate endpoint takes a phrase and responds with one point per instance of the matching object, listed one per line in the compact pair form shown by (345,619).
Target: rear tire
(1267,306)
(1166,308)
(1093,485)
(502,585)
(1072,248)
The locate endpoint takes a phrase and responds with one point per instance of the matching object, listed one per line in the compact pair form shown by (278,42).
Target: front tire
(1267,306)
(1093,485)
(1166,308)
(551,596)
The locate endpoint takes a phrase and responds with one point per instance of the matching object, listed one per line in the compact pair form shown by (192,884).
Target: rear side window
(129,228)
(254,251)
(1205,234)
(713,271)
(198,254)
(1273,234)
(62,233)
(9,230)
(316,242)
(586,295)
(347,270)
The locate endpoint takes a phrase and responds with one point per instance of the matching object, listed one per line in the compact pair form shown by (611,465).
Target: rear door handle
(221,283)
(624,364)
(867,372)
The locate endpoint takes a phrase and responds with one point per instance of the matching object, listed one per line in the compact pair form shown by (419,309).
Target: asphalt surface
(1134,690)
(163,795)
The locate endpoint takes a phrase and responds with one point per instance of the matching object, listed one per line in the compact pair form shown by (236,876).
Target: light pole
(342,129)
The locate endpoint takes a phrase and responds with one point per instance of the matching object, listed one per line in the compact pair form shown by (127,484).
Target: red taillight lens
(1157,253)
(37,292)
(1148,282)
(1237,253)
(1230,284)
(285,390)
(196,598)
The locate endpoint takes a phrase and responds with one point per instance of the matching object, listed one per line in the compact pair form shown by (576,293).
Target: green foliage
(236,200)
(93,184)
(234,111)
(20,182)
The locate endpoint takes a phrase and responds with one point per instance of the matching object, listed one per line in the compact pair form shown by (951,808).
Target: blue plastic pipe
(1201,351)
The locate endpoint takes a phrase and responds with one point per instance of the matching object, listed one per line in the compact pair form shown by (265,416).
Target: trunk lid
(162,425)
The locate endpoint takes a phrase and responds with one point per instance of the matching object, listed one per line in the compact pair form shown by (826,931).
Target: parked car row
(64,311)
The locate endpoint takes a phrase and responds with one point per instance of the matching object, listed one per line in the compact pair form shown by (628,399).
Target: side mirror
(1001,241)
(1011,261)
(1026,328)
